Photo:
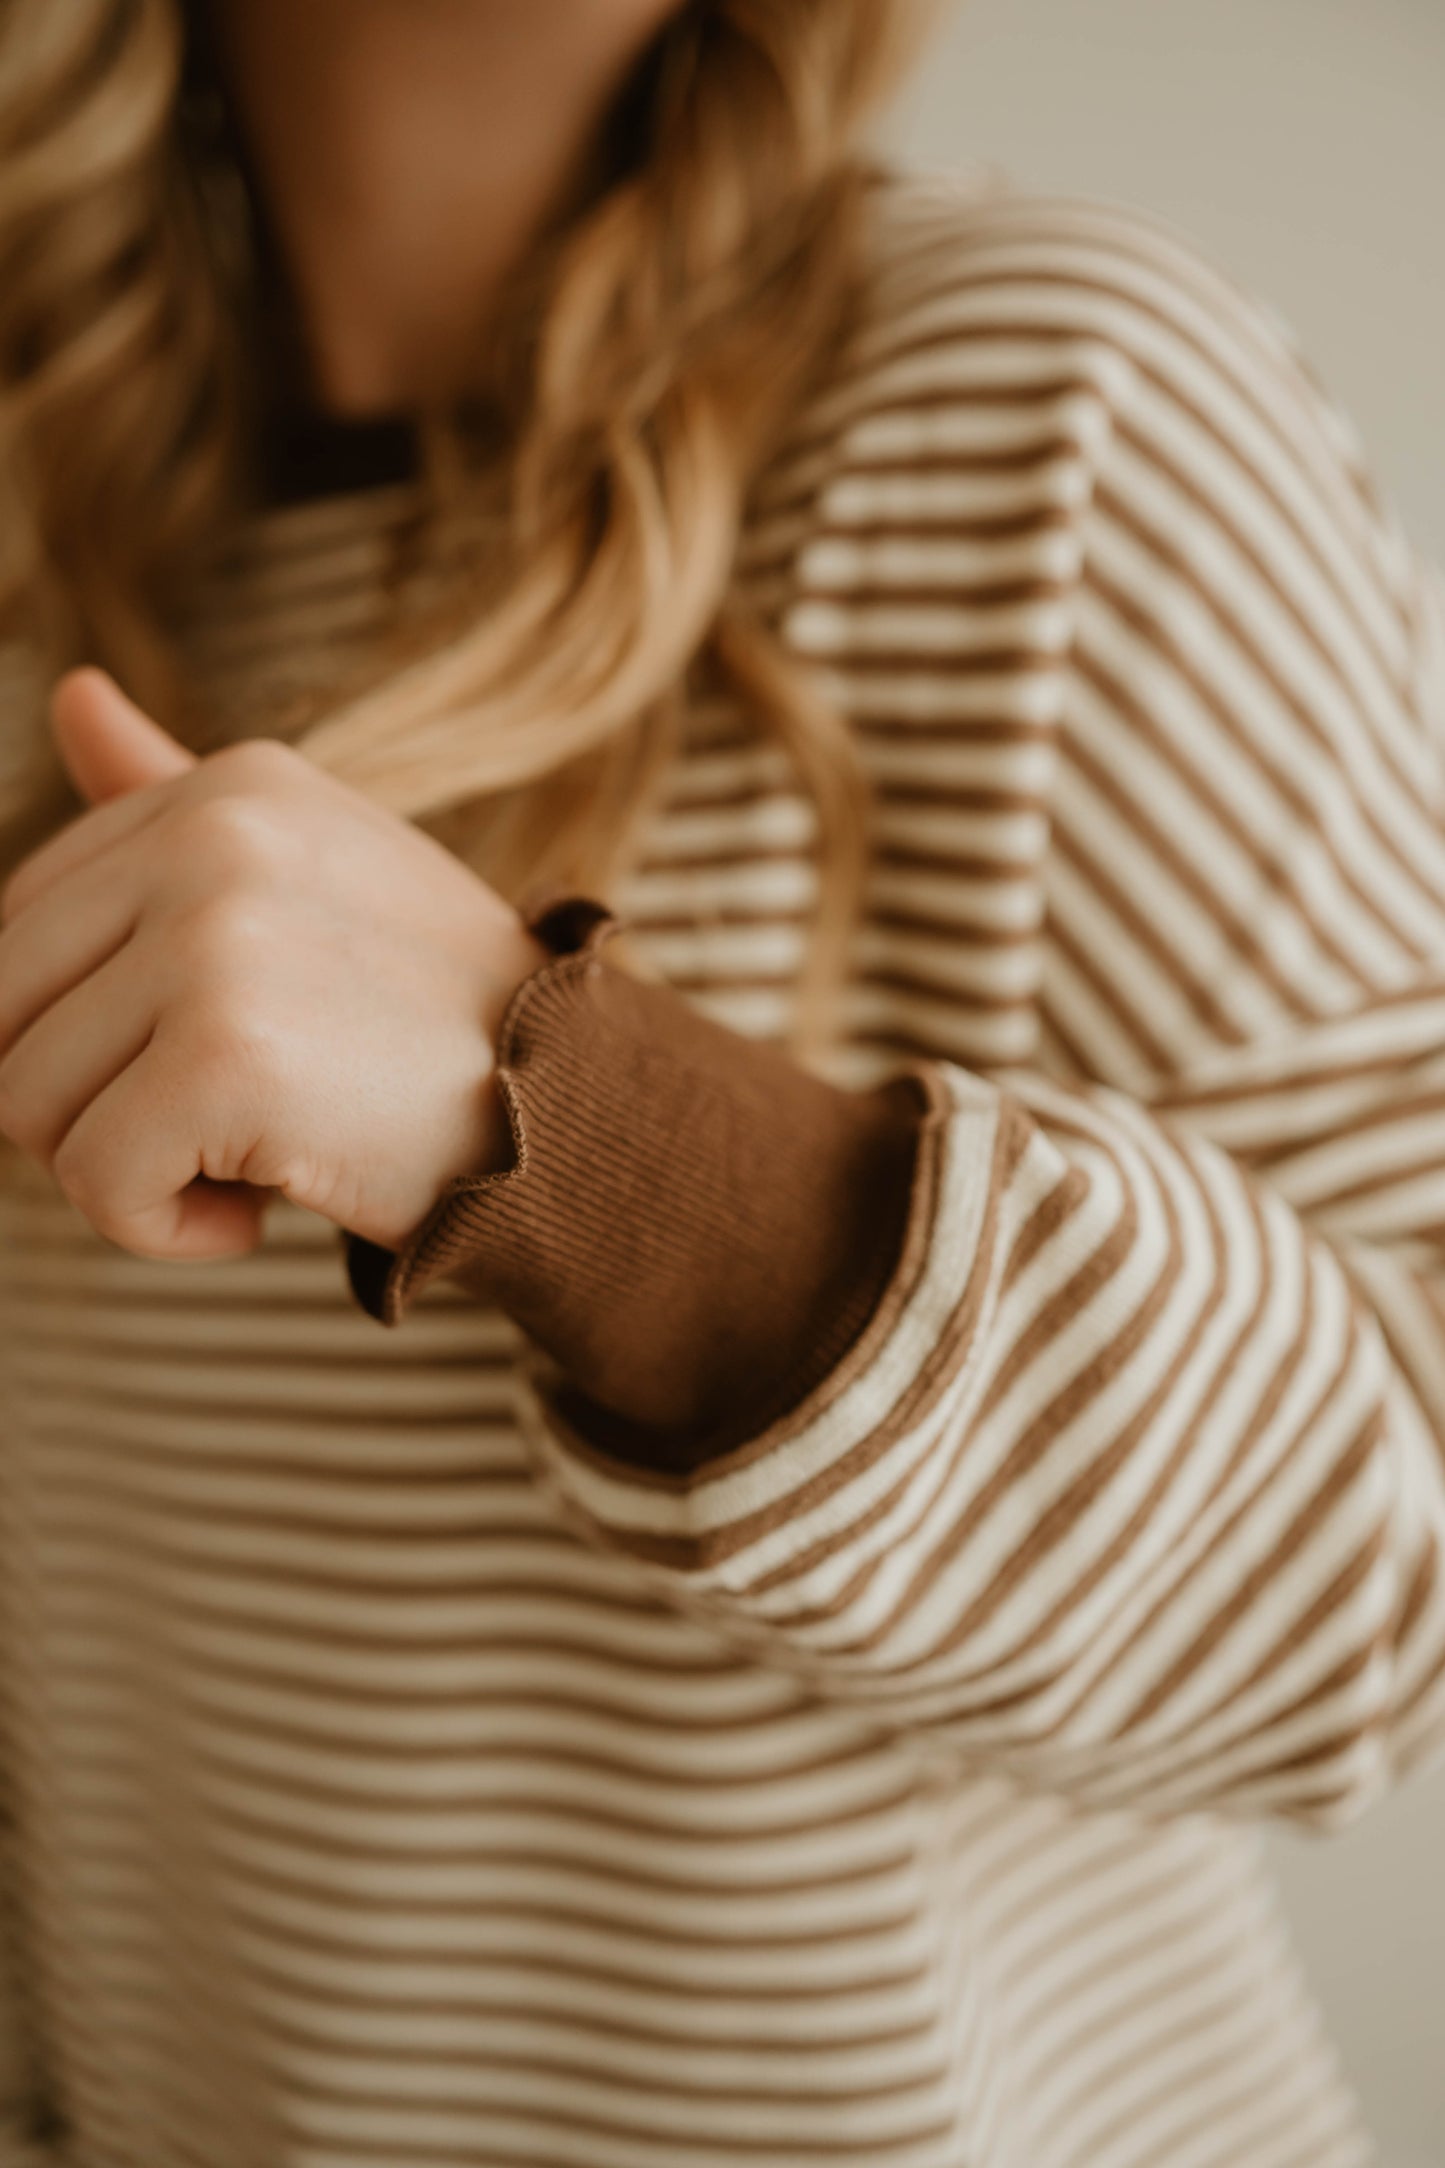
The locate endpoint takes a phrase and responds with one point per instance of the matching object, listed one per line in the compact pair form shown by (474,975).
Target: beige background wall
(1302,143)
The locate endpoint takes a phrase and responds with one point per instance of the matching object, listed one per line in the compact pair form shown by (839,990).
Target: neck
(408,154)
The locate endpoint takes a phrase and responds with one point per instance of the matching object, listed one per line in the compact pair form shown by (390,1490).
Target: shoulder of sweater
(955,262)
(993,320)
(974,291)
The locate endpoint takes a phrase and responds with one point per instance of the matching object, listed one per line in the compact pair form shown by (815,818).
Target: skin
(408,152)
(236,977)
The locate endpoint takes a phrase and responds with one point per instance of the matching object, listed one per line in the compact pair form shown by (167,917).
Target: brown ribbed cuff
(695,1228)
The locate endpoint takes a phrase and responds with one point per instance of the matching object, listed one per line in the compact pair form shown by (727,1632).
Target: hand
(235,976)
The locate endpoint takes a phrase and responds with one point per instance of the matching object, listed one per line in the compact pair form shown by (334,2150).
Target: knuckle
(256,764)
(229,836)
(218,939)
(232,1048)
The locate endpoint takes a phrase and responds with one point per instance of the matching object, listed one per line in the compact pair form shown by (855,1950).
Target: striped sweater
(395,1775)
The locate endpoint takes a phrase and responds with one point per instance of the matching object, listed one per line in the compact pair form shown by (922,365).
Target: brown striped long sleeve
(403,1767)
(1133,1487)
(1149,1515)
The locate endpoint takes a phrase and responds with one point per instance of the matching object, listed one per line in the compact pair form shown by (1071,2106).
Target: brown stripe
(1257,1580)
(1242,936)
(1049,1529)
(998,283)
(1234,730)
(1144,931)
(1287,367)
(1197,580)
(1151,1052)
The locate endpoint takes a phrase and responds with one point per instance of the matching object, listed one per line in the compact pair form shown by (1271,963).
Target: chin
(356,399)
(349,383)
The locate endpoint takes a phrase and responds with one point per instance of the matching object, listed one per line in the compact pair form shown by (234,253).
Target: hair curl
(649,358)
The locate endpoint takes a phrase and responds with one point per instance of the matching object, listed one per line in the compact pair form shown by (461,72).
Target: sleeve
(1126,1476)
(700,1248)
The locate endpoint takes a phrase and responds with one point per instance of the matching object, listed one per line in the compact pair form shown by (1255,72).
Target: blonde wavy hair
(650,359)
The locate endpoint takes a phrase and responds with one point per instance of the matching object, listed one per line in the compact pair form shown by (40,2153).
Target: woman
(799,814)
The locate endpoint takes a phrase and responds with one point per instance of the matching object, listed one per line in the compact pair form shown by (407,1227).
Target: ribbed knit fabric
(694,1227)
(399,1776)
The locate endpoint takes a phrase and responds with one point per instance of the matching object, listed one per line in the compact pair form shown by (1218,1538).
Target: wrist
(513,959)
(695,1230)
(464,1133)
(387,1260)
(511,966)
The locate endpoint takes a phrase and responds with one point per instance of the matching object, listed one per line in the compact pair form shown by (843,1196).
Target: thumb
(108,745)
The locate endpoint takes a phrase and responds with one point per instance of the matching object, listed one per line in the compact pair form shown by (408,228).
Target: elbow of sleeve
(1342,1793)
(1376,1730)
(1375,1708)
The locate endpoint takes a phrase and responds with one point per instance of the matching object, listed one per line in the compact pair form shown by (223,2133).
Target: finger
(108,744)
(115,754)
(132,1163)
(77,843)
(71,930)
(74,1050)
